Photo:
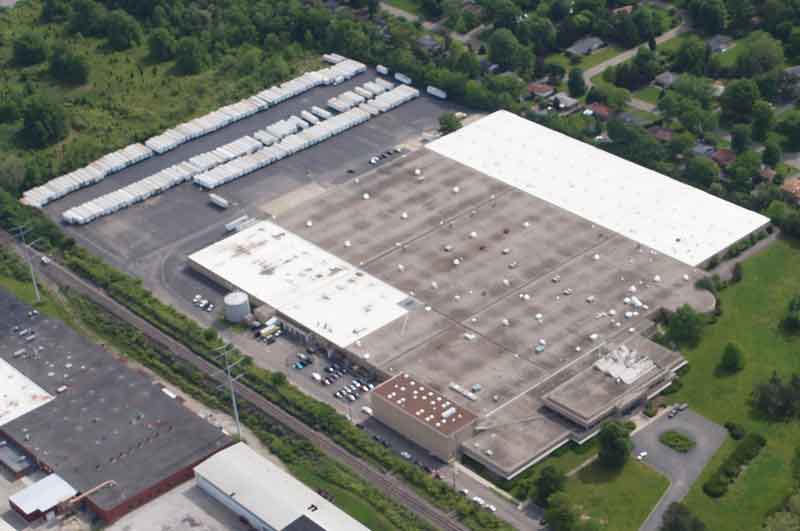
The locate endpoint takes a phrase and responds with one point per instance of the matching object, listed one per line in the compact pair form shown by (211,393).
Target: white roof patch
(274,496)
(322,292)
(655,210)
(43,495)
(18,394)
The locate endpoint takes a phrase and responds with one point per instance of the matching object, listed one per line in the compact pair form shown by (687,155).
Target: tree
(708,15)
(777,400)
(190,57)
(740,137)
(504,48)
(763,120)
(732,358)
(162,45)
(44,122)
(762,53)
(789,127)
(550,481)
(30,48)
(681,143)
(560,514)
(793,45)
(615,97)
(695,88)
(772,153)
(87,18)
(741,13)
(678,518)
(615,445)
(575,83)
(123,30)
(685,326)
(744,169)
(68,67)
(739,99)
(701,171)
(691,57)
(791,321)
(55,10)
(448,123)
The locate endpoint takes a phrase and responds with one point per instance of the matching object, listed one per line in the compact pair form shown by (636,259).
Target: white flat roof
(271,494)
(18,394)
(650,208)
(43,495)
(322,292)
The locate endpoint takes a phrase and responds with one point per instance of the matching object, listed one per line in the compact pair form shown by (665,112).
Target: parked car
(405,455)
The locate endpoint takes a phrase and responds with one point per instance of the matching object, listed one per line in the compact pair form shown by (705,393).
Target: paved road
(391,487)
(681,469)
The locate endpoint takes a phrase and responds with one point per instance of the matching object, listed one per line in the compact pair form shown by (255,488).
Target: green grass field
(127,97)
(412,6)
(649,94)
(752,311)
(620,501)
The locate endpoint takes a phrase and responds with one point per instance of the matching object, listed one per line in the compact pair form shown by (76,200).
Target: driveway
(681,469)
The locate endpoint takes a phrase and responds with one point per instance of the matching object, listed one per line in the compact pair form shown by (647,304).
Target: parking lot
(681,469)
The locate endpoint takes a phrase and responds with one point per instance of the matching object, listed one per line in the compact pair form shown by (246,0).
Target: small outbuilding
(586,46)
(41,498)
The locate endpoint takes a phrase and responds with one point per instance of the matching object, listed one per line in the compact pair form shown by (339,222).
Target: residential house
(586,46)
(661,133)
(601,111)
(717,88)
(767,174)
(623,10)
(720,43)
(702,150)
(665,79)
(429,44)
(563,102)
(723,157)
(540,90)
(791,187)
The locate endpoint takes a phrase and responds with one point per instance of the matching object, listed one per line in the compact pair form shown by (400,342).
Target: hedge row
(729,470)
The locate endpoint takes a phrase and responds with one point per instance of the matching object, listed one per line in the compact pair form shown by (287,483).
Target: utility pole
(224,351)
(20,233)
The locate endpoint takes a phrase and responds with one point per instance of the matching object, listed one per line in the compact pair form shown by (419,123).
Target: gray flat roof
(110,423)
(478,258)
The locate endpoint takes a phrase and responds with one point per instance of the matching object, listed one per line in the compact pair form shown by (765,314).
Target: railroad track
(391,487)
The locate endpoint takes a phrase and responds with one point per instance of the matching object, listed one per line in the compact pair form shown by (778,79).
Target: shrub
(736,431)
(29,49)
(747,450)
(677,441)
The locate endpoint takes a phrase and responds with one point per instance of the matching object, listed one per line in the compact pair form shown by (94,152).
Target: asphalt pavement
(681,469)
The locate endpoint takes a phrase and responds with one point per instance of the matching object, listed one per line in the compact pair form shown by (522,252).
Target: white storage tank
(237,306)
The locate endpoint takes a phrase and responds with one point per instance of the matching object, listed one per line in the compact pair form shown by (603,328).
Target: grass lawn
(345,500)
(649,94)
(752,311)
(603,54)
(406,5)
(728,58)
(621,501)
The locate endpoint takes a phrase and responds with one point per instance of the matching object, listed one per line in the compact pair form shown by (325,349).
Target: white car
(641,456)
(405,455)
(480,501)
(464,492)
(491,508)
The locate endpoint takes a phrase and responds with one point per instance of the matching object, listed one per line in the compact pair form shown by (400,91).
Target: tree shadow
(596,474)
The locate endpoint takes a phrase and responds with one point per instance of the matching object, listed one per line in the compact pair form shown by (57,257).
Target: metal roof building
(44,496)
(650,208)
(266,496)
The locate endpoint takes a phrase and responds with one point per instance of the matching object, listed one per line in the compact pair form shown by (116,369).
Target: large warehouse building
(266,496)
(506,268)
(99,428)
